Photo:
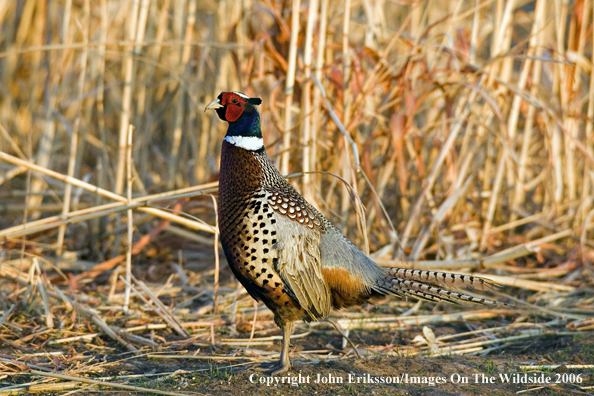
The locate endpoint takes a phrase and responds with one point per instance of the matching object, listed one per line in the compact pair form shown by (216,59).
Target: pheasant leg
(284,364)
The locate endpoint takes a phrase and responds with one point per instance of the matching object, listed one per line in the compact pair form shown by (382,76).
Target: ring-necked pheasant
(285,253)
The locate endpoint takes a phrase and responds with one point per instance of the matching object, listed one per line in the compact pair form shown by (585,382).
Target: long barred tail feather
(425,285)
(419,295)
(443,278)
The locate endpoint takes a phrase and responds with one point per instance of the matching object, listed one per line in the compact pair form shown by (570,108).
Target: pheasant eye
(234,101)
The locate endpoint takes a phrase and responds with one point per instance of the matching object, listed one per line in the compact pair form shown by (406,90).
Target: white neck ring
(251,143)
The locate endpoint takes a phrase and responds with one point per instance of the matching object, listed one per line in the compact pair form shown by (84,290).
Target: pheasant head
(240,112)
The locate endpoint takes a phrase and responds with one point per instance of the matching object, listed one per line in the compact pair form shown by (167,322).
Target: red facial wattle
(234,105)
(233,111)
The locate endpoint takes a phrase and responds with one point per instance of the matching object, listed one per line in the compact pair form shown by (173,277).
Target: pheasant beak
(215,104)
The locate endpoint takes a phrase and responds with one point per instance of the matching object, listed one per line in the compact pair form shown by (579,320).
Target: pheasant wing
(298,246)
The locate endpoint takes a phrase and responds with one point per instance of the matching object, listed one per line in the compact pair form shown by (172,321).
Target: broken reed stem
(346,65)
(128,77)
(396,322)
(48,131)
(533,50)
(104,383)
(316,118)
(40,388)
(181,98)
(588,183)
(290,87)
(129,220)
(49,317)
(160,309)
(339,123)
(87,186)
(72,163)
(306,119)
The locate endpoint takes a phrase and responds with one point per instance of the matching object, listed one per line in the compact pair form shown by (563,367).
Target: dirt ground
(445,375)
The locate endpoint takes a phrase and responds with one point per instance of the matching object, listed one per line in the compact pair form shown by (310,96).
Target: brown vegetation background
(464,128)
(472,119)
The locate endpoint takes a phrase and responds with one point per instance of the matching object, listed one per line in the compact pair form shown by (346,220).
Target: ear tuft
(255,101)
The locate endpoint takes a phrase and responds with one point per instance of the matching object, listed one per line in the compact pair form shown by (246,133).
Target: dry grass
(465,129)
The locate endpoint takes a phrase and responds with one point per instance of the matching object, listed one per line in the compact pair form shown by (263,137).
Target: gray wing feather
(300,267)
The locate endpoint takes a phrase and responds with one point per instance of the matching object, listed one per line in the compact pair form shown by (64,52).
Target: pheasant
(286,253)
